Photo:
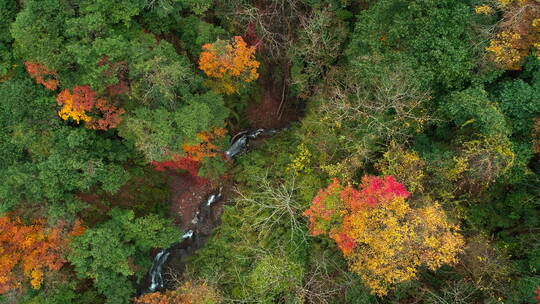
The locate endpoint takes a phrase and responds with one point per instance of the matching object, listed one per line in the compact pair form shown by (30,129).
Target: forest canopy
(270,151)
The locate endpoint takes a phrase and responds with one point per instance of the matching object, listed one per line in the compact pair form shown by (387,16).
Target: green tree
(275,278)
(42,160)
(65,293)
(430,35)
(8,10)
(195,32)
(112,252)
(365,108)
(39,31)
(470,111)
(159,133)
(161,77)
(520,102)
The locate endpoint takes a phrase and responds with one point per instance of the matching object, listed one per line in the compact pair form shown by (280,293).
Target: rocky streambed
(169,263)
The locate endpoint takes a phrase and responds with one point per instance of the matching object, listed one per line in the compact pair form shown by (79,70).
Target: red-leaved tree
(178,162)
(39,72)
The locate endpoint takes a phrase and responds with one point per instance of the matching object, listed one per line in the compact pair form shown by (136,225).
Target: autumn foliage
(178,162)
(33,247)
(383,238)
(518,33)
(76,104)
(205,148)
(39,72)
(82,102)
(229,64)
(110,116)
(188,293)
(194,154)
(119,70)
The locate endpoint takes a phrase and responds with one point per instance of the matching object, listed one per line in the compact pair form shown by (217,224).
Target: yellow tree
(75,105)
(518,32)
(382,237)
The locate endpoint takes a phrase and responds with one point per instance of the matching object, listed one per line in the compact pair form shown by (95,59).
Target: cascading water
(189,242)
(187,235)
(239,142)
(156,278)
(214,197)
(191,239)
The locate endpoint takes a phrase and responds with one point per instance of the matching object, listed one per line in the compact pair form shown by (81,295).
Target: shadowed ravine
(206,218)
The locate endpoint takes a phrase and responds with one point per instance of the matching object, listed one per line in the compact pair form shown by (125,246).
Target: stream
(202,224)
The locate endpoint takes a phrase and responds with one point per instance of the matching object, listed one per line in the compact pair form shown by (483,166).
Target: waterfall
(187,235)
(240,141)
(214,197)
(204,212)
(156,278)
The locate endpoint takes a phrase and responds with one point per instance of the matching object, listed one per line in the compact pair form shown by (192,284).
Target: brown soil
(97,211)
(274,109)
(187,195)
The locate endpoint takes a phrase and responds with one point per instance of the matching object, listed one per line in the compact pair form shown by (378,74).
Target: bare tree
(274,205)
(371,110)
(325,281)
(275,20)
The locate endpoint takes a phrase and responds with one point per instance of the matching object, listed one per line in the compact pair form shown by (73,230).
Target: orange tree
(384,239)
(229,65)
(33,247)
(76,104)
(206,147)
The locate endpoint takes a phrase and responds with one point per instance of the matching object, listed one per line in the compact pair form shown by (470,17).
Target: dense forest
(269,151)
